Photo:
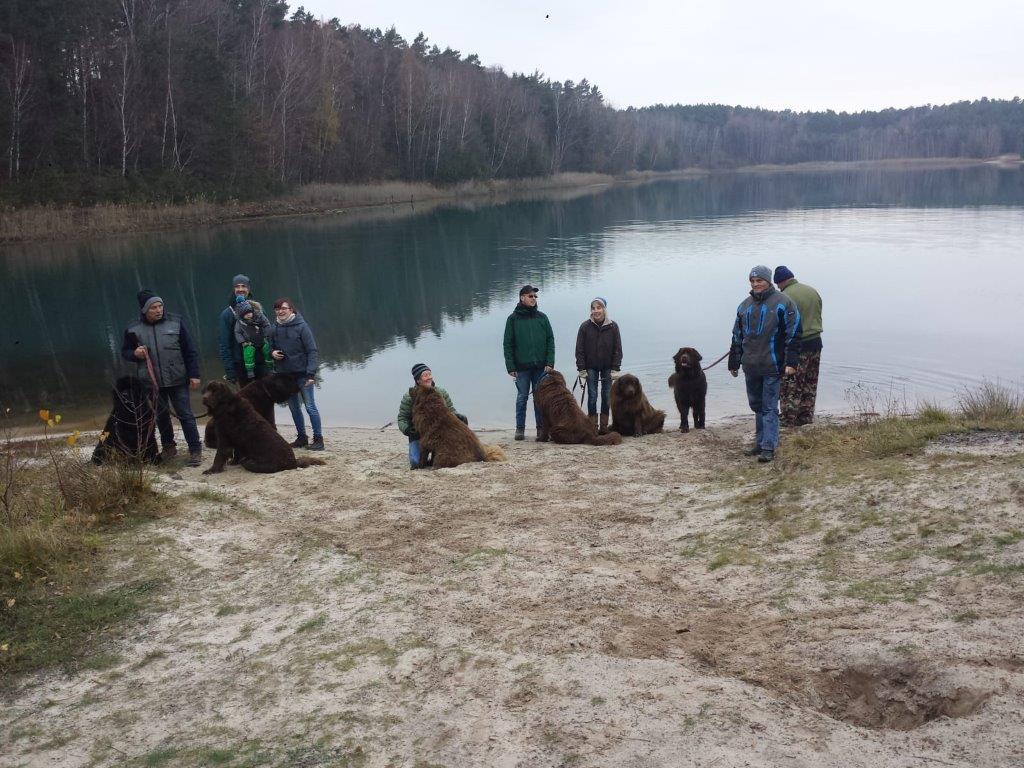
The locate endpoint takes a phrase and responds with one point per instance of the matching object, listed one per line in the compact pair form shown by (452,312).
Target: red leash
(708,368)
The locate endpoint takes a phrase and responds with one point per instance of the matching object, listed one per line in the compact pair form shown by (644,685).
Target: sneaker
(520,433)
(168,452)
(299,442)
(195,458)
(753,450)
(317,444)
(766,456)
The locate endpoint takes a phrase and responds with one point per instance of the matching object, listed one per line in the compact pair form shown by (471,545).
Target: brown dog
(563,421)
(632,414)
(263,394)
(691,387)
(444,435)
(238,426)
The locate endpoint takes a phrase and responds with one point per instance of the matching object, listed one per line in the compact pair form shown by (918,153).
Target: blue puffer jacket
(296,340)
(766,334)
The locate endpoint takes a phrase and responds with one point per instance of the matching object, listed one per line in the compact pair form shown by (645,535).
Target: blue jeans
(414,454)
(763,397)
(525,382)
(305,396)
(177,398)
(605,375)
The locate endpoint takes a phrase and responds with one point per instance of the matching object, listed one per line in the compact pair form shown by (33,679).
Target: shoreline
(45,224)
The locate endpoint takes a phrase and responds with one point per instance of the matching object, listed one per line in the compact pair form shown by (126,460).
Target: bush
(991,402)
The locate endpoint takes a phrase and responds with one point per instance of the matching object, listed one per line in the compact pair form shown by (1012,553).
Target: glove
(616,374)
(581,375)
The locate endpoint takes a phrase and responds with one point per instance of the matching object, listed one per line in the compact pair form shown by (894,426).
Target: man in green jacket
(800,391)
(529,354)
(423,377)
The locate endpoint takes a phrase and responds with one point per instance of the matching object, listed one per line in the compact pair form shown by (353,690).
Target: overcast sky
(798,54)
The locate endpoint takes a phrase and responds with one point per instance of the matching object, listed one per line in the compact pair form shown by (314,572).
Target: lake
(918,271)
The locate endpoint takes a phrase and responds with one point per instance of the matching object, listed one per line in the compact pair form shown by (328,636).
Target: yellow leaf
(104,436)
(17,575)
(10,602)
(51,423)
(73,438)
(57,418)
(4,647)
(44,415)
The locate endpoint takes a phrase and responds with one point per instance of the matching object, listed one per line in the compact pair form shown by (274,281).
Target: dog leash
(583,391)
(708,368)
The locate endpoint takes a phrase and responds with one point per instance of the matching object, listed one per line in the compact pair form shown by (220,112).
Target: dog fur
(562,419)
(443,434)
(632,414)
(131,426)
(263,394)
(238,425)
(691,387)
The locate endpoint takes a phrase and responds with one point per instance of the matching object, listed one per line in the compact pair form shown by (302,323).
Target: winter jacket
(598,346)
(296,340)
(766,334)
(529,341)
(252,333)
(808,301)
(226,343)
(405,425)
(175,358)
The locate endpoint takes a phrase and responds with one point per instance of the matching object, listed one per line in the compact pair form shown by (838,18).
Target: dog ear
(678,355)
(699,358)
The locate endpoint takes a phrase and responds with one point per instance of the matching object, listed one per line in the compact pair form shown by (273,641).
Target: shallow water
(917,269)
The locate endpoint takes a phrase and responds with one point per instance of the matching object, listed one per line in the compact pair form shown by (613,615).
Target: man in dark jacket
(230,350)
(766,342)
(529,353)
(163,340)
(598,358)
(799,392)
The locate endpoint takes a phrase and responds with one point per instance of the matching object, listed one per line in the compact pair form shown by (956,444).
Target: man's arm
(225,333)
(792,335)
(549,353)
(128,346)
(188,352)
(508,344)
(736,347)
(404,419)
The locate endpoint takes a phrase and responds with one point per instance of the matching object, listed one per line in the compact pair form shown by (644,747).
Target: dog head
(686,359)
(279,386)
(555,377)
(216,394)
(629,386)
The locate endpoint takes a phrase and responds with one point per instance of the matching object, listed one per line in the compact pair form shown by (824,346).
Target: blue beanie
(244,308)
(602,299)
(782,274)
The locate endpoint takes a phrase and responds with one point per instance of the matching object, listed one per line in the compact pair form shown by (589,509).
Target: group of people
(159,345)
(776,340)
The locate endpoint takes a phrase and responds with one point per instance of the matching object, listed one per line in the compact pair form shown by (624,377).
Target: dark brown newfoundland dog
(263,394)
(691,387)
(632,414)
(239,426)
(564,422)
(442,433)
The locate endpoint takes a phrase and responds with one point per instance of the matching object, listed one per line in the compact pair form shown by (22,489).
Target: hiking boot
(520,433)
(766,456)
(195,458)
(603,428)
(593,419)
(299,442)
(753,450)
(168,452)
(542,435)
(317,444)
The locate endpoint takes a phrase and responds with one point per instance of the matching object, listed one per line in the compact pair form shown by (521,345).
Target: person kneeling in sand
(423,377)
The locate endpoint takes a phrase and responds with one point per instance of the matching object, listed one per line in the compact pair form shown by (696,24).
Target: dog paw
(212,471)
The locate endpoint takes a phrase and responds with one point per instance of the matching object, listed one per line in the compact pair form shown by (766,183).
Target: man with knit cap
(800,391)
(529,346)
(229,348)
(159,345)
(422,376)
(766,343)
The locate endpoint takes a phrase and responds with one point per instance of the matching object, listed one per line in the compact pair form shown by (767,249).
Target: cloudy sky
(798,54)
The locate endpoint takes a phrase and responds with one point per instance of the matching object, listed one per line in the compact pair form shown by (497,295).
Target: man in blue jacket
(230,351)
(766,342)
(164,340)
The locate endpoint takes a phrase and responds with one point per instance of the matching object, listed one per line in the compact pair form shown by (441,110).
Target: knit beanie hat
(602,299)
(782,274)
(241,280)
(147,299)
(243,308)
(418,369)
(762,272)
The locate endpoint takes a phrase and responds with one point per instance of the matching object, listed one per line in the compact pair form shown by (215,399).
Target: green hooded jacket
(405,413)
(529,340)
(808,301)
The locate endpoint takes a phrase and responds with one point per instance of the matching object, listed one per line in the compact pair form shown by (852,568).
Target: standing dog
(632,413)
(130,431)
(691,387)
(444,435)
(563,421)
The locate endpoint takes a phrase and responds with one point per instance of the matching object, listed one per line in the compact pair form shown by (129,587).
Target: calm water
(919,272)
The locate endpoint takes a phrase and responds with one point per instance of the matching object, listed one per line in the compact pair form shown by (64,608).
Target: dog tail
(301,462)
(672,379)
(611,438)
(494,453)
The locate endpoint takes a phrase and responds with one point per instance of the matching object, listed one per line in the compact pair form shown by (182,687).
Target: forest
(173,100)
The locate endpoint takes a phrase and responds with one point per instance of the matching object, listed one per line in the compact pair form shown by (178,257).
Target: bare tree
(18,81)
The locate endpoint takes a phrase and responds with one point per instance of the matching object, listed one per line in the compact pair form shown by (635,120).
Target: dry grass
(991,402)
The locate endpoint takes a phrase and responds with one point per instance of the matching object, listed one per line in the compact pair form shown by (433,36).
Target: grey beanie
(241,279)
(762,272)
(418,369)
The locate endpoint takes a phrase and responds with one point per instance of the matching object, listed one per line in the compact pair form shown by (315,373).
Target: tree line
(169,99)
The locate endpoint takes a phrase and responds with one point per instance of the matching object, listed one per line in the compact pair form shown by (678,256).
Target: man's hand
(581,375)
(140,352)
(310,382)
(194,383)
(512,374)
(548,368)
(790,370)
(734,373)
(277,354)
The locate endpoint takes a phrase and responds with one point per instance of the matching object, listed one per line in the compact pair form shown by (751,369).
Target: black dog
(691,387)
(263,394)
(130,430)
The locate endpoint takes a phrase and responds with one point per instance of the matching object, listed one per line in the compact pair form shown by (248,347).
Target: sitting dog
(691,387)
(130,430)
(562,419)
(240,427)
(444,435)
(632,414)
(263,394)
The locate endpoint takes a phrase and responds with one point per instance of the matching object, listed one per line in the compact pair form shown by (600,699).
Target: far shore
(47,224)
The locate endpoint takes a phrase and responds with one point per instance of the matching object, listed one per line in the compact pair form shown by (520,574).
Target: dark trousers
(605,376)
(177,398)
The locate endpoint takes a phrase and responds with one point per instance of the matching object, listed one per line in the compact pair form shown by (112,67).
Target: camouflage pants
(799,391)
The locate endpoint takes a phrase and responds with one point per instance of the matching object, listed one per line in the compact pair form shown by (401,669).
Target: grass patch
(882,590)
(991,402)
(733,555)
(310,625)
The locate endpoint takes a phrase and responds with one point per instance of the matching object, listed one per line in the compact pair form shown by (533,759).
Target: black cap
(528,289)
